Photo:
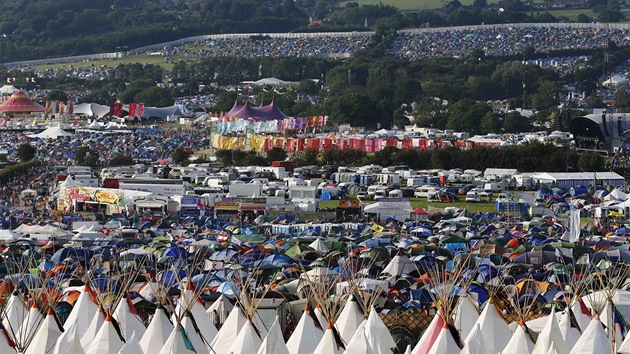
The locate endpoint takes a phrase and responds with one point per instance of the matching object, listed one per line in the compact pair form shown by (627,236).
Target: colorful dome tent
(263,112)
(19,102)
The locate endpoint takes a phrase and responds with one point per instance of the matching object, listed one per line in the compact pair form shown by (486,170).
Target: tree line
(526,157)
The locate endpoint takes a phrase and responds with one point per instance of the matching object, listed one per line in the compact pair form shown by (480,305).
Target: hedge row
(7,173)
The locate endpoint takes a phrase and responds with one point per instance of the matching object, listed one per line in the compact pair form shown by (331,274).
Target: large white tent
(91,109)
(399,210)
(8,90)
(51,133)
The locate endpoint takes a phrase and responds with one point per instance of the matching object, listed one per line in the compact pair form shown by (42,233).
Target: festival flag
(132,109)
(223,236)
(140,110)
(105,231)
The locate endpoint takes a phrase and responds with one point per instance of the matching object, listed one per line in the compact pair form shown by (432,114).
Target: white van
(473,197)
(495,187)
(380,194)
(371,191)
(424,191)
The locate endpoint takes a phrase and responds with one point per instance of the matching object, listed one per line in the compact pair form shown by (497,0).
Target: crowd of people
(274,47)
(501,41)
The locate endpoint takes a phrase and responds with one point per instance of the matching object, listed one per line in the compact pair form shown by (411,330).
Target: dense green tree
(514,122)
(86,156)
(622,98)
(57,95)
(121,160)
(276,154)
(26,152)
(591,162)
(356,109)
(155,97)
(466,116)
(180,156)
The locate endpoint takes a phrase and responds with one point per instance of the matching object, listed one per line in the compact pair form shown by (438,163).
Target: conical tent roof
(19,102)
(70,341)
(359,342)
(93,329)
(178,343)
(306,335)
(29,326)
(274,342)
(465,316)
(202,320)
(106,340)
(349,320)
(624,348)
(127,321)
(520,343)
(13,315)
(474,343)
(247,340)
(318,245)
(429,336)
(46,337)
(400,265)
(157,333)
(378,335)
(495,331)
(569,333)
(550,336)
(327,345)
(221,309)
(132,346)
(321,318)
(5,346)
(193,336)
(593,340)
(444,343)
(229,331)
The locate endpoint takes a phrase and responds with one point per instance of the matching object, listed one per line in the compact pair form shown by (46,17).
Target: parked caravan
(424,191)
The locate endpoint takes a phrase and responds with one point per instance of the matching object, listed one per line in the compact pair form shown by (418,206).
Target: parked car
(465,189)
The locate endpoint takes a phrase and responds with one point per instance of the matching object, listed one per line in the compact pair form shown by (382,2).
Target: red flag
(223,236)
(105,231)
(140,110)
(132,109)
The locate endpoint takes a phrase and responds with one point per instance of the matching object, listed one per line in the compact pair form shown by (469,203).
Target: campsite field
(424,203)
(417,5)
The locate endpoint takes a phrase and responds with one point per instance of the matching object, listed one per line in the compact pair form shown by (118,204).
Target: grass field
(142,58)
(424,203)
(571,14)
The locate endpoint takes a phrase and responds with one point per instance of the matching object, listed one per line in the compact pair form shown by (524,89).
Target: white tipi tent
(306,335)
(157,333)
(46,337)
(496,333)
(474,343)
(274,342)
(247,340)
(132,346)
(106,340)
(229,331)
(520,343)
(550,336)
(465,316)
(70,341)
(593,340)
(349,320)
(128,322)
